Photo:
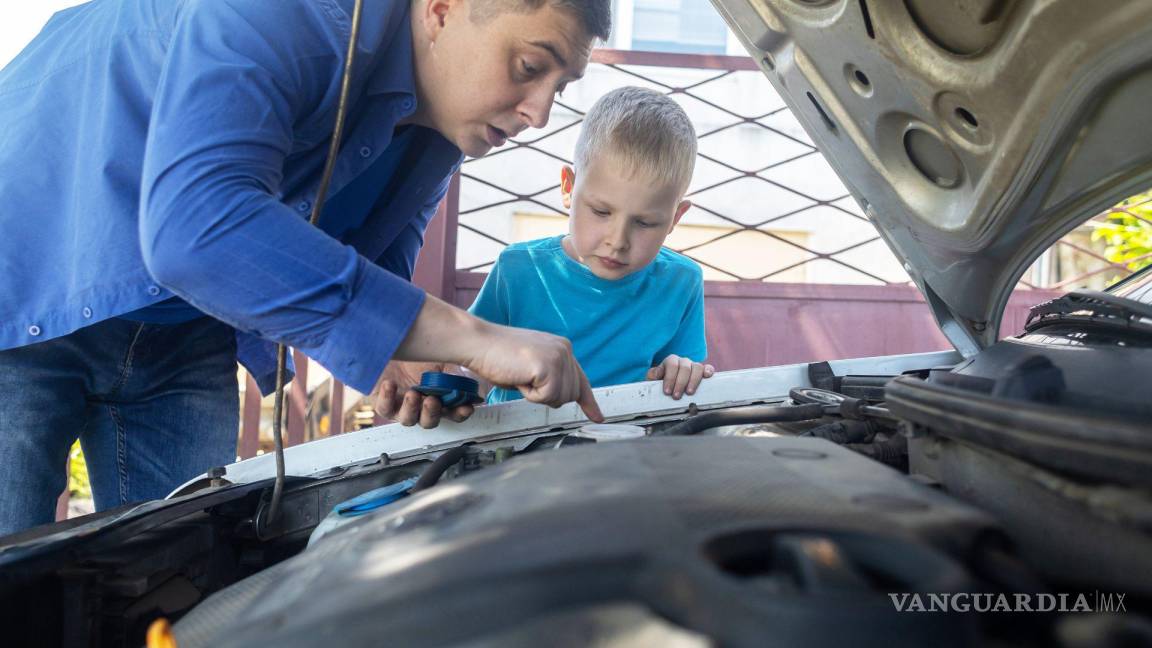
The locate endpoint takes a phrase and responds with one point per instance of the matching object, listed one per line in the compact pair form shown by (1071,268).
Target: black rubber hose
(843,432)
(745,416)
(433,473)
(890,452)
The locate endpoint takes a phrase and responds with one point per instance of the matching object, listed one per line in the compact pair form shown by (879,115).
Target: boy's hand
(681,375)
(397,401)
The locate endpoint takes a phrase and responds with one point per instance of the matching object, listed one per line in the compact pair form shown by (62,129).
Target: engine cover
(688,540)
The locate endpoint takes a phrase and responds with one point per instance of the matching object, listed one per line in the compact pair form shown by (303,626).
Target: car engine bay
(1023,471)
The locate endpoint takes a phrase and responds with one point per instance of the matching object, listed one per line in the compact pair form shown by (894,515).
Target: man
(157,169)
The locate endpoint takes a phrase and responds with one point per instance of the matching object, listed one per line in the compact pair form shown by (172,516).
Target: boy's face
(481,83)
(617,220)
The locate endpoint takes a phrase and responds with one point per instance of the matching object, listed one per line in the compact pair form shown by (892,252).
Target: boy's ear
(567,182)
(680,209)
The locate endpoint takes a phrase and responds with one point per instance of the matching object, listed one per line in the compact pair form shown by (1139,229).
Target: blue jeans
(152,404)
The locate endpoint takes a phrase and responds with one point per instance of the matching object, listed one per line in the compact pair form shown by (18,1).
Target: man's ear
(434,16)
(567,183)
(680,209)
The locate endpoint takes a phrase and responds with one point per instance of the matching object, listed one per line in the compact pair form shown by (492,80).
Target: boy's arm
(680,364)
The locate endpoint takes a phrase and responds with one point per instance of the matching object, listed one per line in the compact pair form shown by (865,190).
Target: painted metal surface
(620,404)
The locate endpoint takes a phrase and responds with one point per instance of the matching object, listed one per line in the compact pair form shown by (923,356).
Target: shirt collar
(394,73)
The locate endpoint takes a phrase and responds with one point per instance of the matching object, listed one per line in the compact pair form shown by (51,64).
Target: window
(678,26)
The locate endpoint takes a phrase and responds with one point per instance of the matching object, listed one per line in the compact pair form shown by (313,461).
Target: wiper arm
(1092,307)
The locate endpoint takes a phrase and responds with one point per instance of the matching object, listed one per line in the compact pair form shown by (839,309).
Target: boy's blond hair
(647,130)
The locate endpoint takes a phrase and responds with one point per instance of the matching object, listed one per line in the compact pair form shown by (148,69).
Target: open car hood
(973,133)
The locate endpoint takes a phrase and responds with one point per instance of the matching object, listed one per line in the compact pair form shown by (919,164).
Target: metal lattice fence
(1107,248)
(766,205)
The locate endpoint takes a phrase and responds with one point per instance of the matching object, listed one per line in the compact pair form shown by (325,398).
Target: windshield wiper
(1093,308)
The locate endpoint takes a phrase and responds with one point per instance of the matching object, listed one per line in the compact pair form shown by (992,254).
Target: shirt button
(153,290)
(87,312)
(304,206)
(365,151)
(33,330)
(407,104)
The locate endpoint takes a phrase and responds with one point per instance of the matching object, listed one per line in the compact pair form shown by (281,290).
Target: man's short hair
(594,15)
(647,130)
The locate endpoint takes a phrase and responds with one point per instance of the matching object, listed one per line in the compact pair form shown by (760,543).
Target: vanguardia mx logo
(988,602)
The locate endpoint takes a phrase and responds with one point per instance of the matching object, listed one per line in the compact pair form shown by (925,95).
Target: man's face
(483,82)
(617,220)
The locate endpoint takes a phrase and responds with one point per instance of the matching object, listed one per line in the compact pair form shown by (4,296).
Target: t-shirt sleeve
(492,301)
(689,340)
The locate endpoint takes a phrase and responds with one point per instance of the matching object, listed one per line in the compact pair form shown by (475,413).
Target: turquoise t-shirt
(618,329)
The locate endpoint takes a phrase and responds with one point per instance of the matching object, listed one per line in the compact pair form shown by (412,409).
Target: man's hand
(540,365)
(395,400)
(681,375)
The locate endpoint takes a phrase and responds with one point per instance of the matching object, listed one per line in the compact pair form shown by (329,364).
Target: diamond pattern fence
(766,205)
(1107,248)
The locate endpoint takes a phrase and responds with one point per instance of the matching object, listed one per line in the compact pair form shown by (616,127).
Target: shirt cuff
(377,319)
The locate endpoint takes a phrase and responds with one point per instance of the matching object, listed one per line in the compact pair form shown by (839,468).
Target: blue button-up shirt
(152,148)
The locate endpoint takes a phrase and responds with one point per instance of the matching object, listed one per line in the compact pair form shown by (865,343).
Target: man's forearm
(540,365)
(443,333)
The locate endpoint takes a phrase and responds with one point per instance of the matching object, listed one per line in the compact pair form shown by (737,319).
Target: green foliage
(78,474)
(1127,232)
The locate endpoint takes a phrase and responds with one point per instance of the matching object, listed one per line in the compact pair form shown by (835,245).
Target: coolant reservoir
(609,432)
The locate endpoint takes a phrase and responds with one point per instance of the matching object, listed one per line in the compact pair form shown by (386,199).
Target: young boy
(632,309)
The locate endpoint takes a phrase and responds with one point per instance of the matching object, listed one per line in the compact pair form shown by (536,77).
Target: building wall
(773,324)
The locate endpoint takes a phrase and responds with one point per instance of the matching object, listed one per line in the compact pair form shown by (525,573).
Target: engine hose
(317,206)
(433,473)
(890,452)
(842,432)
(744,416)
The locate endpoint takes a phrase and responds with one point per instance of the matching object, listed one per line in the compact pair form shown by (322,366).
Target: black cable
(277,436)
(433,473)
(744,416)
(317,206)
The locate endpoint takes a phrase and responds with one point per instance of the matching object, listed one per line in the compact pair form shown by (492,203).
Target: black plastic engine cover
(744,541)
(1104,373)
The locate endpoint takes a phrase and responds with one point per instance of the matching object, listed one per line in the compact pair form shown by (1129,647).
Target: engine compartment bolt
(216,475)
